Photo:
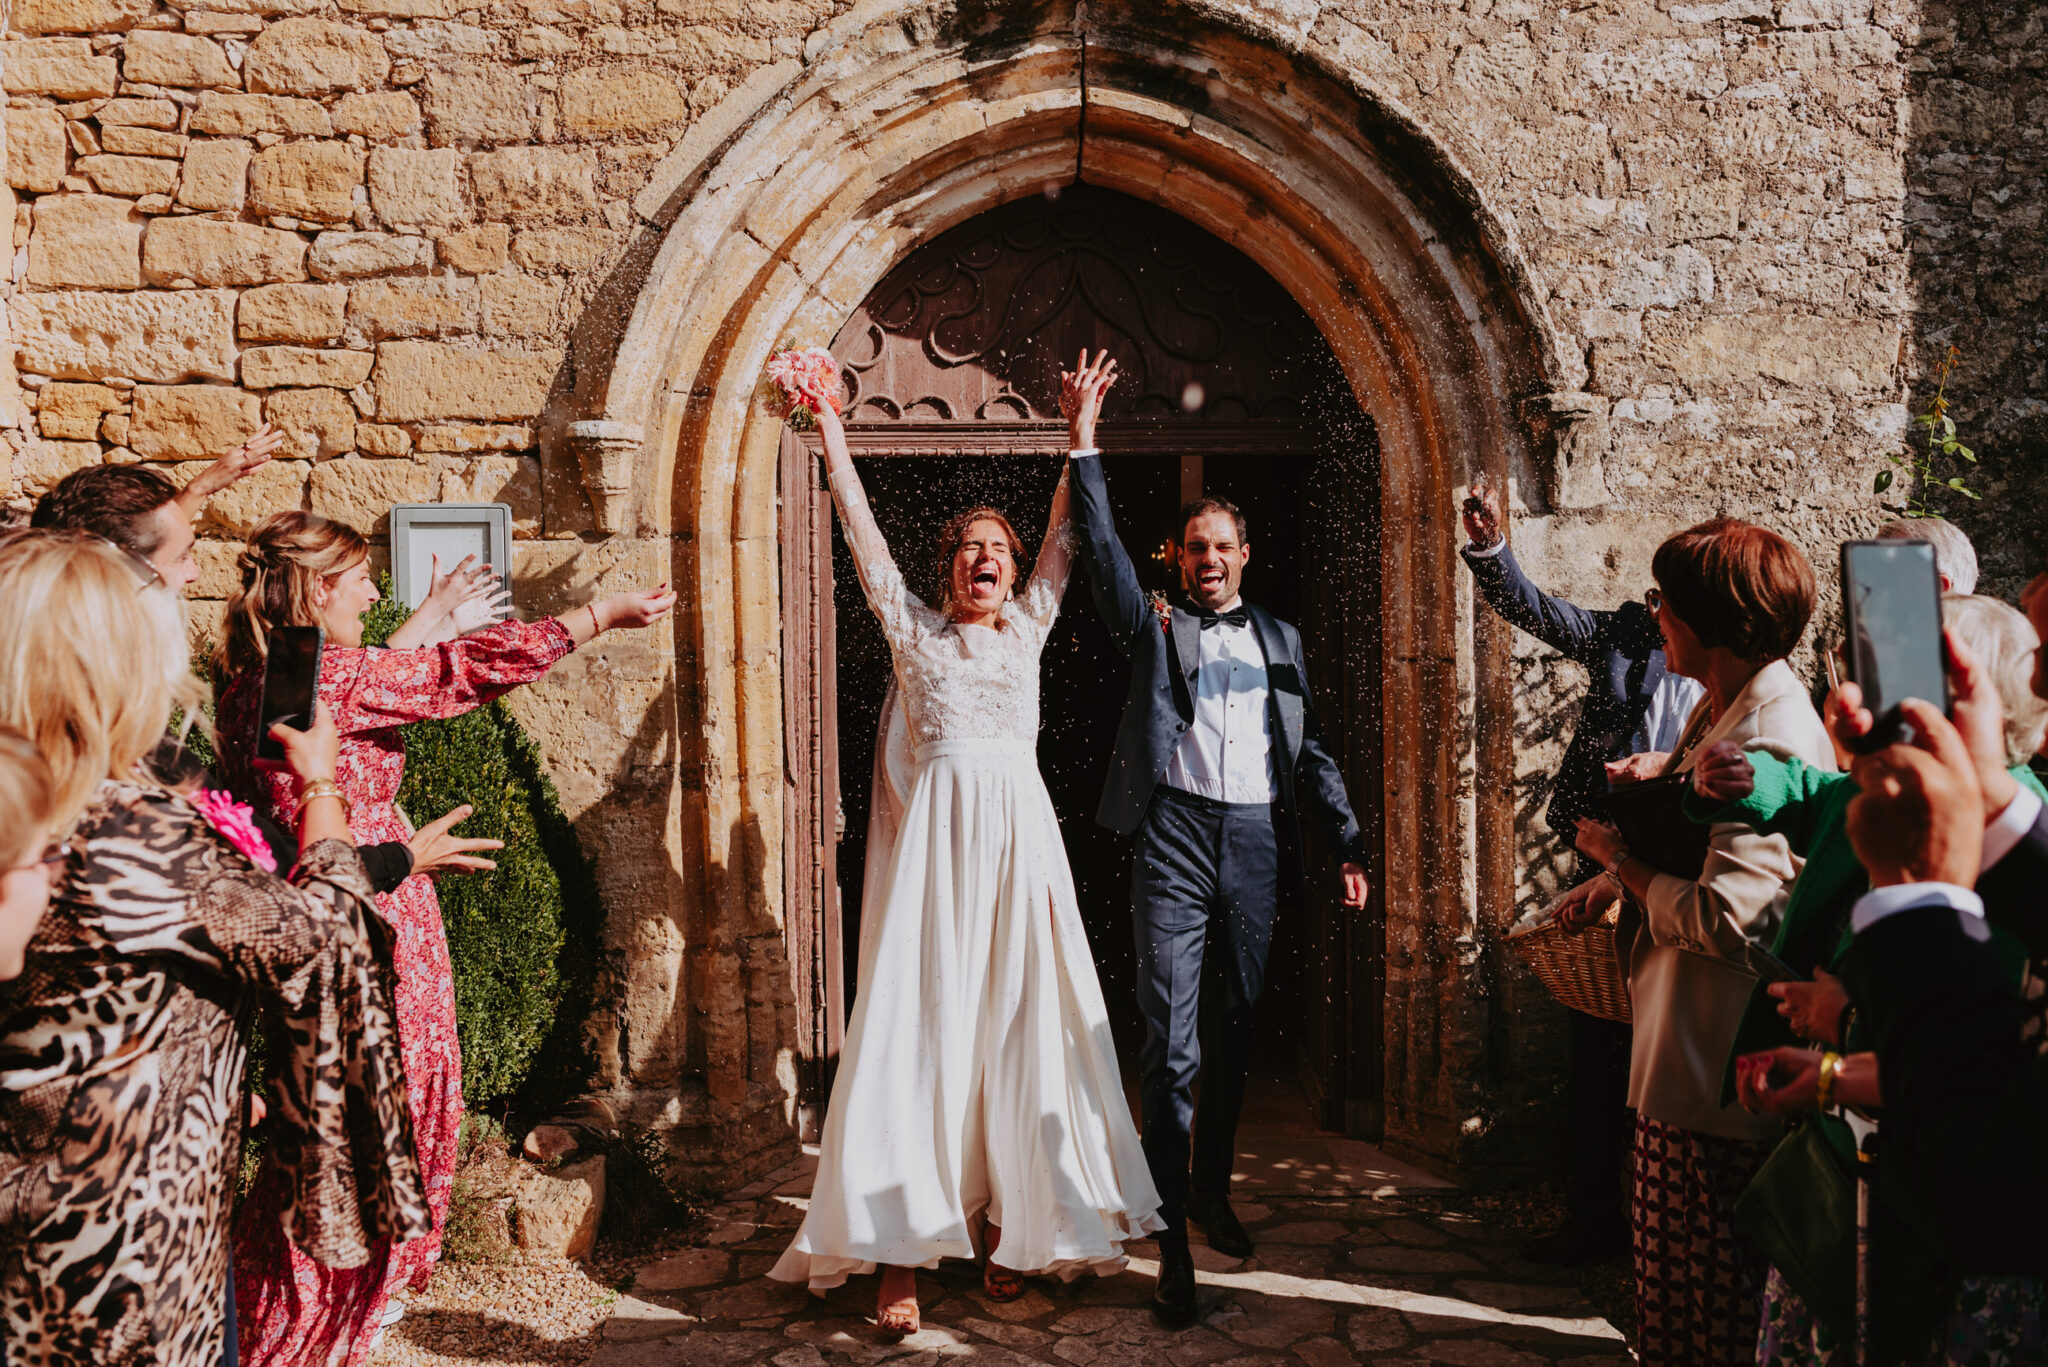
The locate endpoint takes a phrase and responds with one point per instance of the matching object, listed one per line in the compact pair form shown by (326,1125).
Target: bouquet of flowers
(796,368)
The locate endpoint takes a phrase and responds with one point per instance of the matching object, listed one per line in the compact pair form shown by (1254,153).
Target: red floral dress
(291,1310)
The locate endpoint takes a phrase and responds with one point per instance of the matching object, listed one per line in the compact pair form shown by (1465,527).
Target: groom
(1217,754)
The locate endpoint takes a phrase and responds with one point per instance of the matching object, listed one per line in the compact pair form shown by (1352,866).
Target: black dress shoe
(1173,1301)
(1576,1245)
(1219,1222)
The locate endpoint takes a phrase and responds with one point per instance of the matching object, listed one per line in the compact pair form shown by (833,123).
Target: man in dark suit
(1216,759)
(1633,705)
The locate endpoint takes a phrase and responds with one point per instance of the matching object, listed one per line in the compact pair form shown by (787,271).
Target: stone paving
(1358,1260)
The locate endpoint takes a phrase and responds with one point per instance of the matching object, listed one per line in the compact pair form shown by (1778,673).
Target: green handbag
(1800,1209)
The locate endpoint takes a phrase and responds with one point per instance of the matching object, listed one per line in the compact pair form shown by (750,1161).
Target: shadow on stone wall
(1976,108)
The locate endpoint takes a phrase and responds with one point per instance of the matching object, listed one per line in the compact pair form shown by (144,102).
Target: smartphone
(1770,967)
(1891,604)
(1473,505)
(291,677)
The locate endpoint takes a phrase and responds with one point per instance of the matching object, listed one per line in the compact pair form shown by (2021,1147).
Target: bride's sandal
(898,1317)
(999,1283)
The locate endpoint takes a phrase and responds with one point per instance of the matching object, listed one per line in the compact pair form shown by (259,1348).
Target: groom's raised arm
(1112,579)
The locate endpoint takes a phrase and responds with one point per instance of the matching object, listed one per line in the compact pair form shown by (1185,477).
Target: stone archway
(779,213)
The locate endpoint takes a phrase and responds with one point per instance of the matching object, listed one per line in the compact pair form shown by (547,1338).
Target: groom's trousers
(1204,884)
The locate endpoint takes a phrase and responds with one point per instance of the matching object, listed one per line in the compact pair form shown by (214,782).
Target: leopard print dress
(122,1049)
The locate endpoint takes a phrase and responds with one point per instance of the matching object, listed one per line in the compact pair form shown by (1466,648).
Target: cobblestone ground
(1393,1277)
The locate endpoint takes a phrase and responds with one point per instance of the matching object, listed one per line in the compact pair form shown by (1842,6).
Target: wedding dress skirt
(978,1070)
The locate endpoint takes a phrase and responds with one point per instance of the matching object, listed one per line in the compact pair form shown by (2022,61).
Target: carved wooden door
(1228,386)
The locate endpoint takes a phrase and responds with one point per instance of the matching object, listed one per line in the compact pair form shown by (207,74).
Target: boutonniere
(1162,609)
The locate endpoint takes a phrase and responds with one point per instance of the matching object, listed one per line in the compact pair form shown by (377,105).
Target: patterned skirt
(1699,1284)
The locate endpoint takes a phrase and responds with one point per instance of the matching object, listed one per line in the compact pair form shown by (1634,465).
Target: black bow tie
(1236,617)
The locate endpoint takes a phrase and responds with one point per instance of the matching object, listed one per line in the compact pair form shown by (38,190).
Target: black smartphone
(1770,967)
(1891,605)
(291,677)
(1473,505)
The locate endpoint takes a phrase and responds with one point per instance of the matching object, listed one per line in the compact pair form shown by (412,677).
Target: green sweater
(1810,808)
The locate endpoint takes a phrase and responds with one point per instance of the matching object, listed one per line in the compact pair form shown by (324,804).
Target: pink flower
(804,368)
(235,821)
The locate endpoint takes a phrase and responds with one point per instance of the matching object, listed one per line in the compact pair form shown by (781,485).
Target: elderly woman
(123,1042)
(1732,600)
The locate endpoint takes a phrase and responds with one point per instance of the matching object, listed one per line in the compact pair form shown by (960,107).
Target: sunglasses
(147,573)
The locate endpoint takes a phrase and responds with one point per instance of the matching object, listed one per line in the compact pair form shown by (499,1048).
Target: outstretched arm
(1562,626)
(879,577)
(1112,579)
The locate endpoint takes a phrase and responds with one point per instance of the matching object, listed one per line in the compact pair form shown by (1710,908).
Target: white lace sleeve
(1040,600)
(893,603)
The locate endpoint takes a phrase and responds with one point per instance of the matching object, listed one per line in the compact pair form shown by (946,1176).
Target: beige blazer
(1687,996)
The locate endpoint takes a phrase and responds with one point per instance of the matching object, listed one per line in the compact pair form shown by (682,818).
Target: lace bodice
(960,682)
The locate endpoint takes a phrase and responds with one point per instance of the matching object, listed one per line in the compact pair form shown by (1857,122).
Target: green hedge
(524,938)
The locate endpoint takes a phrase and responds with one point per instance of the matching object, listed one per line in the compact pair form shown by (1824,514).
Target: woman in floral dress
(303,570)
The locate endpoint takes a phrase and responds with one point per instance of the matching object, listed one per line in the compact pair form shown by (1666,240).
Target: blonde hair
(2004,642)
(92,659)
(1954,556)
(287,554)
(26,802)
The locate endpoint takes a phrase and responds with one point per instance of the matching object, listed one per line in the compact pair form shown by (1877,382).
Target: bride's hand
(1081,391)
(821,405)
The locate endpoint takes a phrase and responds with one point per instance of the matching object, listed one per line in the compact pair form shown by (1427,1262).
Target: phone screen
(1891,598)
(291,674)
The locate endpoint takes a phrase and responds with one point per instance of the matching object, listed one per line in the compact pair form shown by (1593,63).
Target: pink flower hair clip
(237,824)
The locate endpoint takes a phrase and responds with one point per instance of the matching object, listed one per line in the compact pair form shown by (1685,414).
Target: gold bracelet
(318,788)
(1824,1088)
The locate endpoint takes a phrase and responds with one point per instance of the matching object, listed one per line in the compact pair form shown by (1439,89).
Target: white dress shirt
(1226,753)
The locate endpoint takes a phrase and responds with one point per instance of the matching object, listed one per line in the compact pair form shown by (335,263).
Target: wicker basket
(1580,970)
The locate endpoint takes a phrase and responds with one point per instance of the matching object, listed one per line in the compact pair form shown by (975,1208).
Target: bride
(978,1077)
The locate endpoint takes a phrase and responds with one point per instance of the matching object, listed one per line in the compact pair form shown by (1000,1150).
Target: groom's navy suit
(1200,863)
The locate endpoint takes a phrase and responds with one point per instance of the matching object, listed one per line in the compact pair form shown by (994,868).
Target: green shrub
(523,938)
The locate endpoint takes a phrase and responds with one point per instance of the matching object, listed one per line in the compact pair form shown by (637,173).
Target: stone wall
(418,235)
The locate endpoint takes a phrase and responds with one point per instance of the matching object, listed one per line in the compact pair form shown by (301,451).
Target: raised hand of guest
(246,459)
(1081,392)
(434,847)
(1481,515)
(622,611)
(435,619)
(1585,904)
(1637,768)
(1920,816)
(1814,1009)
(1723,773)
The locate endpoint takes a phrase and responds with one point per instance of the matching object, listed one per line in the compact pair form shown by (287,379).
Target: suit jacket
(1160,706)
(1616,647)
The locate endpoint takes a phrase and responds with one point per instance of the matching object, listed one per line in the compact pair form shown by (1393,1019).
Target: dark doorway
(953,369)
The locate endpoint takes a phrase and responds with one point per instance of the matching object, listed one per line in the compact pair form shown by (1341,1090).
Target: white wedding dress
(978,1071)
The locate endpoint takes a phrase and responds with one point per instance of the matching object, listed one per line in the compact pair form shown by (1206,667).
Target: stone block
(271,367)
(440,306)
(437,41)
(216,175)
(701,46)
(347,256)
(152,336)
(89,241)
(212,251)
(79,16)
(360,492)
(155,57)
(478,107)
(45,462)
(191,421)
(130,141)
(213,21)
(276,487)
(63,67)
(292,313)
(382,439)
(533,184)
(557,1213)
(686,1271)
(1842,354)
(380,117)
(627,101)
(136,112)
(314,57)
(546,1143)
(249,115)
(405,9)
(219,575)
(518,305)
(315,180)
(318,423)
(36,149)
(416,191)
(73,411)
(129,175)
(562,249)
(440,438)
(479,250)
(511,480)
(418,381)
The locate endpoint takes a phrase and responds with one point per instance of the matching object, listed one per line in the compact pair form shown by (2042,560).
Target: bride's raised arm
(1040,598)
(880,580)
